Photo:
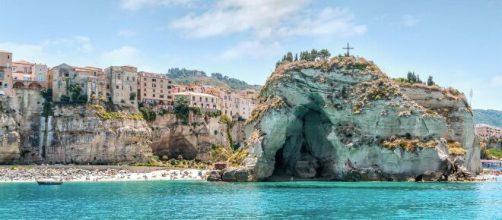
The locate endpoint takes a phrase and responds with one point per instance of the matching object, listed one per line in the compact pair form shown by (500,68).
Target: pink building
(29,75)
(5,72)
(487,131)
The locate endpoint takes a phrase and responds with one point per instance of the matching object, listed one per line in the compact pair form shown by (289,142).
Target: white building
(201,100)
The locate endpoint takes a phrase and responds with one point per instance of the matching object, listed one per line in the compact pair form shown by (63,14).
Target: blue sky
(457,42)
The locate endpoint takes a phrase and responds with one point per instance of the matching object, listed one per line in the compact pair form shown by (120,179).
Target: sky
(458,42)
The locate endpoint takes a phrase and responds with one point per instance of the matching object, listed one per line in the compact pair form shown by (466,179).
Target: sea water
(213,200)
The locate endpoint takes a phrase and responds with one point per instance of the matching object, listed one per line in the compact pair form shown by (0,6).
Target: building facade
(123,85)
(29,75)
(5,72)
(96,88)
(236,105)
(201,100)
(74,84)
(487,131)
(155,89)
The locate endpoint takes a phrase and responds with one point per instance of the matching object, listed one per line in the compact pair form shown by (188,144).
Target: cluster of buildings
(121,85)
(488,131)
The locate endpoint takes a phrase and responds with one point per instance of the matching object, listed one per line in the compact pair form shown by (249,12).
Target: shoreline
(115,173)
(86,174)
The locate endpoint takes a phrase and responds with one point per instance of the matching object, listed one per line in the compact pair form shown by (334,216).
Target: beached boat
(50,182)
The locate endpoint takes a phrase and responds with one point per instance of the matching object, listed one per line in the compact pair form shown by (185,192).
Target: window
(144,94)
(154,80)
(153,95)
(200,99)
(128,78)
(161,96)
(193,98)
(117,87)
(206,99)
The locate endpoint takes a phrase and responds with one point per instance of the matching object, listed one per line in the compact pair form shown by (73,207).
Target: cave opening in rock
(307,153)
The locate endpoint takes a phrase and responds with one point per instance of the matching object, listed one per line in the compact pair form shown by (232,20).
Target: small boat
(50,182)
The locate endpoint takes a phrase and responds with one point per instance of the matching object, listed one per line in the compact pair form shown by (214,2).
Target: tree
(430,81)
(313,55)
(324,54)
(289,57)
(181,109)
(296,57)
(132,96)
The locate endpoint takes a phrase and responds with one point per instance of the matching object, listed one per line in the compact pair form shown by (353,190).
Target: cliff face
(343,119)
(76,134)
(10,140)
(459,117)
(194,141)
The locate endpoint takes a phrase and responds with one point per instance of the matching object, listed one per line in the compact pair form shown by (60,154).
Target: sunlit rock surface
(343,119)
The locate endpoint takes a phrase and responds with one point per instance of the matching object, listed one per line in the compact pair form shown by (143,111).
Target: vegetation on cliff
(409,144)
(103,114)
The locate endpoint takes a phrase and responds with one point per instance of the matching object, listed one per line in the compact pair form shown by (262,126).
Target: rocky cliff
(82,134)
(343,119)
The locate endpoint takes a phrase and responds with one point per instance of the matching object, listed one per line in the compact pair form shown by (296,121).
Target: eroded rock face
(458,115)
(194,141)
(10,141)
(337,119)
(76,135)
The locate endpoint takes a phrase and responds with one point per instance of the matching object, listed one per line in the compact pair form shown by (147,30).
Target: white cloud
(265,18)
(133,5)
(254,49)
(125,55)
(232,16)
(409,21)
(267,21)
(328,22)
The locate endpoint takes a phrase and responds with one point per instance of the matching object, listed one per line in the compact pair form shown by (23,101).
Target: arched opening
(307,153)
(18,85)
(34,85)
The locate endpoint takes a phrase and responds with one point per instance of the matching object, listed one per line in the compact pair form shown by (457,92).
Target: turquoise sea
(209,200)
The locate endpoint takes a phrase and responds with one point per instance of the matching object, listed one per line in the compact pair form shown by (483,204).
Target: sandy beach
(9,174)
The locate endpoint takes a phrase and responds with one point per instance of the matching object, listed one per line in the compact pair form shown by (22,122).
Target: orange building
(154,88)
(29,75)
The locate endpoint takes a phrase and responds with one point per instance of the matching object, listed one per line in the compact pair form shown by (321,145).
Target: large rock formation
(343,119)
(191,141)
(78,134)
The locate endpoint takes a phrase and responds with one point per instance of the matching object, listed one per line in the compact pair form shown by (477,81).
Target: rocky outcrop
(343,119)
(453,106)
(77,135)
(192,141)
(88,134)
(10,140)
